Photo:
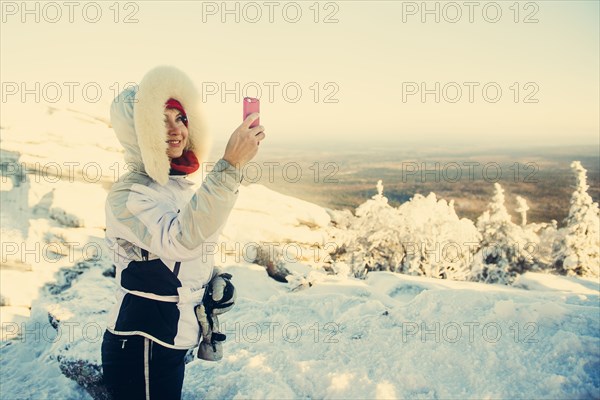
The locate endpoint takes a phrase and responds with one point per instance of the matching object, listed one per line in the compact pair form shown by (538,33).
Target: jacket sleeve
(147,218)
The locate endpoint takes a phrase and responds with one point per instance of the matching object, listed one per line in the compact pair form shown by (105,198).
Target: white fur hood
(137,116)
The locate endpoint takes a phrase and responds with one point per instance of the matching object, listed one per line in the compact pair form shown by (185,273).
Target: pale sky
(372,57)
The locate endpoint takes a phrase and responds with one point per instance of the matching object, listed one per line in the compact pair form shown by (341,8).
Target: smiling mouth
(174,142)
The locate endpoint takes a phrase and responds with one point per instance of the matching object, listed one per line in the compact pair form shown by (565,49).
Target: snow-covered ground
(388,336)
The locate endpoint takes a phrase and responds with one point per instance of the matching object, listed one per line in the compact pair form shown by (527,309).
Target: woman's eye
(182,119)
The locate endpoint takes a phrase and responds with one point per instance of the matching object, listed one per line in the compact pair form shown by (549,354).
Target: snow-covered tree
(578,251)
(377,242)
(522,208)
(549,235)
(423,236)
(506,248)
(438,244)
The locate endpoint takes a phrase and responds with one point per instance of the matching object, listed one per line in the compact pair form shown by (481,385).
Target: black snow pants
(136,367)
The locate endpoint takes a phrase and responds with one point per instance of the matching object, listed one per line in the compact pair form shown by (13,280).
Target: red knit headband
(172,103)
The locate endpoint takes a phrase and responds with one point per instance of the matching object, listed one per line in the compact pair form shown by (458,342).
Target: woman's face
(177,133)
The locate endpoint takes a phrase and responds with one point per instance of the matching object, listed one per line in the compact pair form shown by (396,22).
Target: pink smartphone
(251,105)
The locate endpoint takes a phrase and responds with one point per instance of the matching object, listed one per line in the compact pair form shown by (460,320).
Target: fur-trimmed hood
(137,116)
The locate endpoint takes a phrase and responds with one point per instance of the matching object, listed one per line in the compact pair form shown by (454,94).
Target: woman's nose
(172,129)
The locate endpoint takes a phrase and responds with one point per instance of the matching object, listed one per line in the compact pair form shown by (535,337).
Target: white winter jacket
(151,210)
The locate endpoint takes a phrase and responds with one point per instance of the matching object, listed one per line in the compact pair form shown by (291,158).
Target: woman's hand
(243,143)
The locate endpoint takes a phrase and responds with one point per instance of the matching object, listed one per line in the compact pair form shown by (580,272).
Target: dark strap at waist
(177,264)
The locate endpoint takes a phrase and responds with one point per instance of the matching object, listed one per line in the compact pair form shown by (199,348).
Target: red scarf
(186,164)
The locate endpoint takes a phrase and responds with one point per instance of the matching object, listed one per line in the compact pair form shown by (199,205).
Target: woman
(157,227)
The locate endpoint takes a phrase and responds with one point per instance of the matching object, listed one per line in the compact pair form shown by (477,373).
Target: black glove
(219,298)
